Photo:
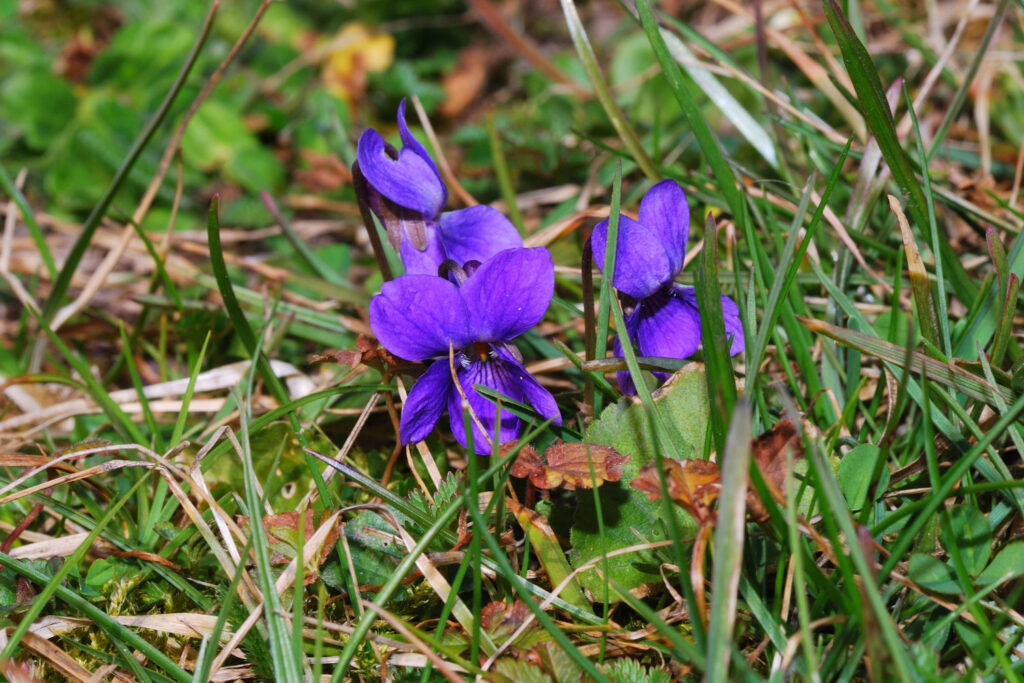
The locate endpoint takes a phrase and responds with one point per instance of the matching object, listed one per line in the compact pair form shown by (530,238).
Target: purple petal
(408,181)
(424,261)
(665,212)
(733,325)
(410,142)
(495,374)
(477,234)
(539,398)
(416,316)
(425,402)
(509,293)
(641,264)
(668,323)
(625,380)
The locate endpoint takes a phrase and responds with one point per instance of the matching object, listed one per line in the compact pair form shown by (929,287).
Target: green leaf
(629,517)
(856,473)
(375,558)
(1008,564)
(971,535)
(214,135)
(933,574)
(521,671)
(100,572)
(255,168)
(38,103)
(626,670)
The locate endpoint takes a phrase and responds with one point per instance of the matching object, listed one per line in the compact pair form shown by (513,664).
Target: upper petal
(494,374)
(411,143)
(509,293)
(416,316)
(425,403)
(477,233)
(666,213)
(641,264)
(411,180)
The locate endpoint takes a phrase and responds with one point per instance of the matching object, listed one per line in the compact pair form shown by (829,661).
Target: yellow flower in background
(353,53)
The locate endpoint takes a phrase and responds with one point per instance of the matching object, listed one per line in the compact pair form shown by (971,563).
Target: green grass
(175,421)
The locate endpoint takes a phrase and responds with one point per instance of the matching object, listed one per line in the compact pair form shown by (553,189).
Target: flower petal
(625,380)
(411,143)
(477,234)
(641,264)
(416,316)
(495,374)
(668,323)
(408,181)
(426,401)
(509,293)
(539,398)
(423,261)
(665,212)
(733,325)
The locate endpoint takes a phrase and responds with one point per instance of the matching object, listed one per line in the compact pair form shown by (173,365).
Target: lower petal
(668,323)
(425,402)
(539,398)
(494,374)
(733,325)
(623,377)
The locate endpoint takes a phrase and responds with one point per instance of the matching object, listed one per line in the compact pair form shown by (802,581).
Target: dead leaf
(349,357)
(769,451)
(360,51)
(569,465)
(464,83)
(325,172)
(692,484)
(283,534)
(500,618)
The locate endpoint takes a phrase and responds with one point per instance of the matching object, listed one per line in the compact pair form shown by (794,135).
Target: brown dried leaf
(526,463)
(501,619)
(283,533)
(569,465)
(466,81)
(349,357)
(692,484)
(769,451)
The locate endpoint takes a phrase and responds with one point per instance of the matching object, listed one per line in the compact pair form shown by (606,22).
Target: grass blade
(63,281)
(684,90)
(604,96)
(729,533)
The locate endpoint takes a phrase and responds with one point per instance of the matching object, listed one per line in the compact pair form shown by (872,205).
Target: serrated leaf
(521,672)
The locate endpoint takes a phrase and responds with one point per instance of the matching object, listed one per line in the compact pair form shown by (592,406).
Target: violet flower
(405,191)
(665,320)
(487,305)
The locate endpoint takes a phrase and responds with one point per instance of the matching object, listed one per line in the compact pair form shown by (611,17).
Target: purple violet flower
(665,320)
(416,317)
(407,194)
